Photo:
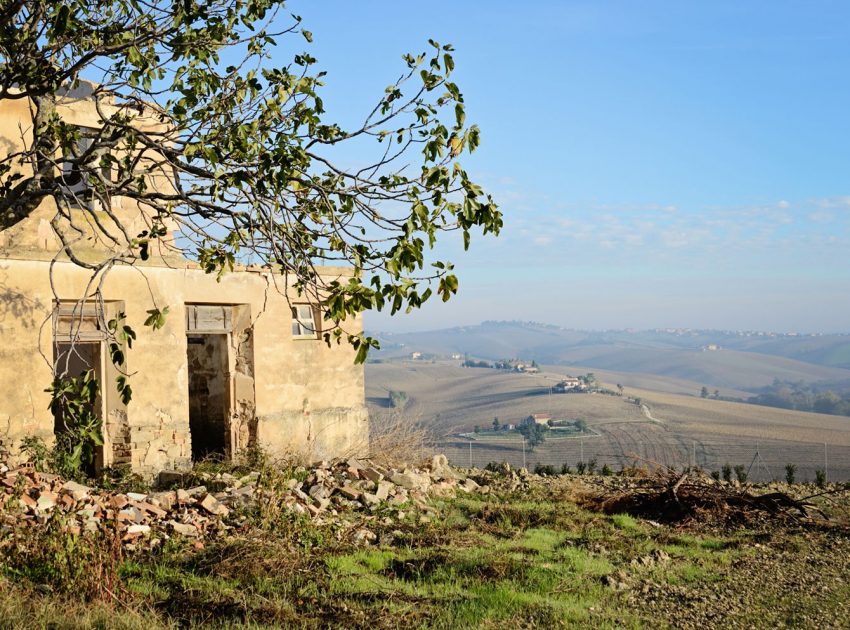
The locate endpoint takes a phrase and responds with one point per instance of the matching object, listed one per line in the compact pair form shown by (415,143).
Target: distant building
(570,384)
(457,355)
(415,355)
(539,418)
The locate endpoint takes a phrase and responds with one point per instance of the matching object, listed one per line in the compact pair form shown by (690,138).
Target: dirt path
(649,416)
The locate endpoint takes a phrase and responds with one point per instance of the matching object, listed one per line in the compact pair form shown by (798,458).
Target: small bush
(715,474)
(790,473)
(565,469)
(581,467)
(37,452)
(122,479)
(591,466)
(727,473)
(398,399)
(820,478)
(606,471)
(740,473)
(547,470)
(66,562)
(397,439)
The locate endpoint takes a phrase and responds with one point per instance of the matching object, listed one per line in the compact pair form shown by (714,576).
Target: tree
(534,433)
(704,392)
(398,399)
(189,93)
(620,388)
(496,424)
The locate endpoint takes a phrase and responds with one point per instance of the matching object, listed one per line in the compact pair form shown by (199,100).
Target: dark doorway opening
(209,393)
(71,361)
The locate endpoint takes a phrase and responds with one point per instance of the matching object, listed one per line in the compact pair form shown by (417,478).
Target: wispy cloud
(781,232)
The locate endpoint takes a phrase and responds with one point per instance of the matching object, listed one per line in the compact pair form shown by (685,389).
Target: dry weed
(398,439)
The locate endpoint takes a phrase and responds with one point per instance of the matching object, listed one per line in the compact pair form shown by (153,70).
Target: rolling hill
(718,359)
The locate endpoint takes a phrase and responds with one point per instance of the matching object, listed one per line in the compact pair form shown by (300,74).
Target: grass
(526,559)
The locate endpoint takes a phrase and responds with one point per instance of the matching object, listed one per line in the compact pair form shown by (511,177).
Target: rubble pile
(321,491)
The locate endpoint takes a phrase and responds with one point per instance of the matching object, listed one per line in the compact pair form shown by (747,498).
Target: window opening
(304,321)
(75,180)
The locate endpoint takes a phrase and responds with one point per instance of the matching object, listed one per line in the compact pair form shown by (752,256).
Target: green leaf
(60,25)
(156,318)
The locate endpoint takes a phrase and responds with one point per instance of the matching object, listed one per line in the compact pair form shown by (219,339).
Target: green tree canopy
(245,143)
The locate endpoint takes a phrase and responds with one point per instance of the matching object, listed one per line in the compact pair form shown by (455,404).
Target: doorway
(220,351)
(72,360)
(208,395)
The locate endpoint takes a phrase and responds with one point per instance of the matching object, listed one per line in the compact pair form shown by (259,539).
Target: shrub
(820,478)
(591,466)
(541,469)
(85,565)
(606,470)
(581,467)
(790,473)
(727,473)
(396,439)
(740,473)
(398,399)
(37,452)
(715,474)
(565,469)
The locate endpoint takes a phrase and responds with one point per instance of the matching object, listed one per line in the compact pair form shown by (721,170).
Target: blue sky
(658,163)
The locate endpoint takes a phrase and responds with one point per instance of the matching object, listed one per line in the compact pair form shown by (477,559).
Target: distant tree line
(476,364)
(796,395)
(802,396)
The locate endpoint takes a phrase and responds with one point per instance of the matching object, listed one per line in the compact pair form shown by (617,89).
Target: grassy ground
(526,559)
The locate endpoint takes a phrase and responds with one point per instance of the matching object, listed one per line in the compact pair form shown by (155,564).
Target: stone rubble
(322,491)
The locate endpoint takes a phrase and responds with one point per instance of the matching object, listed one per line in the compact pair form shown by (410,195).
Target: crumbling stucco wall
(308,398)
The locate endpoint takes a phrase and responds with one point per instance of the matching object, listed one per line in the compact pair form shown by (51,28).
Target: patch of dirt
(781,584)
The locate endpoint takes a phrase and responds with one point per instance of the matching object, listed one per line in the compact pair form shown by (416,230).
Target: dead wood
(670,497)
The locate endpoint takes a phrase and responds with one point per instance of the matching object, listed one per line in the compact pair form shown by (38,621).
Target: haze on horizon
(660,164)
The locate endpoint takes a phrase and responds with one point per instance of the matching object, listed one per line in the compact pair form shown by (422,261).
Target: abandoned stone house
(236,363)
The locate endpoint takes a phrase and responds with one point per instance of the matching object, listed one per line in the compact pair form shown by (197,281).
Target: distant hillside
(728,359)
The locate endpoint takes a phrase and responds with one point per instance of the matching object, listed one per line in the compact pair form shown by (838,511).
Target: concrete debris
(322,491)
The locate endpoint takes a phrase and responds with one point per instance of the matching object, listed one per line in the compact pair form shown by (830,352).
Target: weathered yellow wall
(309,398)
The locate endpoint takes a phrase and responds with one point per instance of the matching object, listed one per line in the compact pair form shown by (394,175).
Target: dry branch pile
(672,497)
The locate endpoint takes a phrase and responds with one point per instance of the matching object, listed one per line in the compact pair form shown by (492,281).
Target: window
(75,179)
(304,322)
